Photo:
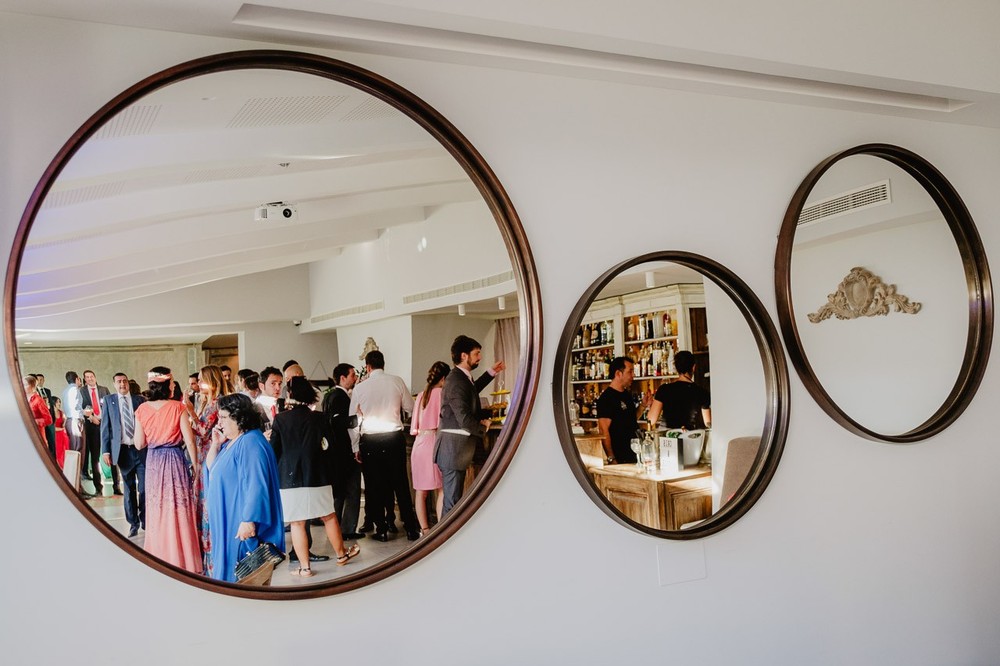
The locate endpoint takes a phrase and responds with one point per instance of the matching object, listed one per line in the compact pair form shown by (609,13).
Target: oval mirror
(668,435)
(252,207)
(884,293)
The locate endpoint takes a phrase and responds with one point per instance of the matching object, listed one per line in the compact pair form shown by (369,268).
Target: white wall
(273,343)
(857,553)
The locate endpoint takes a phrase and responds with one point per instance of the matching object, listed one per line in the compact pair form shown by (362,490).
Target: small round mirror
(884,293)
(669,435)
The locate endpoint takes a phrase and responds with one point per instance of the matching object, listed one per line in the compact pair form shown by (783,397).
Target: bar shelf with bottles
(593,349)
(649,326)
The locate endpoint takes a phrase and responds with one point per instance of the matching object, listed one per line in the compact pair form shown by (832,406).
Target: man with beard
(463,422)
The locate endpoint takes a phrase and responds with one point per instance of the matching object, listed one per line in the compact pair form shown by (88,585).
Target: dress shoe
(412,535)
(367,527)
(354,535)
(393,528)
(380,536)
(118,492)
(135,530)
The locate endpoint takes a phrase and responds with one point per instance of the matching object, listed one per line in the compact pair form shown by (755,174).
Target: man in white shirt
(378,401)
(72,405)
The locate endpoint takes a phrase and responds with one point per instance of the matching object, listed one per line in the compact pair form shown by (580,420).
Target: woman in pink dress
(426,412)
(162,425)
(211,385)
(62,438)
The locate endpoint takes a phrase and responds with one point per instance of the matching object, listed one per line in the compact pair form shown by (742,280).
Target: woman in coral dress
(162,425)
(62,438)
(424,424)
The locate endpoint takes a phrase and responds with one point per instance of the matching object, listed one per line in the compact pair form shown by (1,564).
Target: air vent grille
(347,312)
(371,109)
(136,120)
(81,195)
(876,194)
(272,111)
(460,288)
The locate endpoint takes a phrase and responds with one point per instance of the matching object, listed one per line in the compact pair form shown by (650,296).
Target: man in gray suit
(118,448)
(463,423)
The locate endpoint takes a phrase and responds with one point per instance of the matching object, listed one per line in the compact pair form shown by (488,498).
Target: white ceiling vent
(869,196)
(460,288)
(136,120)
(272,111)
(370,109)
(79,195)
(347,312)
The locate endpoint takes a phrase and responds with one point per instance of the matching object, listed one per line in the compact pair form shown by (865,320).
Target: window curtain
(507,347)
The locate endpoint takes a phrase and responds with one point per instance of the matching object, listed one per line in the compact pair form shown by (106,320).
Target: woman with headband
(162,425)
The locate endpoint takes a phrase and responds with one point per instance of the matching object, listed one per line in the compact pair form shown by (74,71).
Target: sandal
(303,573)
(348,554)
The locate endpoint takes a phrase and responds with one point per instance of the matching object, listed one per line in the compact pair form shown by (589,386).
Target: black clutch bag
(261,559)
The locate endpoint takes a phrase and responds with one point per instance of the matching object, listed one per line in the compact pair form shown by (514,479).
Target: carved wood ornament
(863,294)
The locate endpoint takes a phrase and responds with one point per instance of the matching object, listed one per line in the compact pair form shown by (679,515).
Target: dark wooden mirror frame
(977,275)
(775,373)
(499,204)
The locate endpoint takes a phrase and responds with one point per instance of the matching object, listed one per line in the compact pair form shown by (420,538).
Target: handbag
(256,567)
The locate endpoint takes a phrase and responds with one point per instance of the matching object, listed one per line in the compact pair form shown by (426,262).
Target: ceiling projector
(275,211)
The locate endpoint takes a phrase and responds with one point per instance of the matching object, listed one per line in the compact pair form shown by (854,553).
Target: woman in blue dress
(241,475)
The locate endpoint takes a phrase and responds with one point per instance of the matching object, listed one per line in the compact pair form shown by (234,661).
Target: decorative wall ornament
(863,294)
(370,346)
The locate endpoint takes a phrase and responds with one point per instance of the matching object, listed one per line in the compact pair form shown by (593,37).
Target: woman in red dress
(62,438)
(39,410)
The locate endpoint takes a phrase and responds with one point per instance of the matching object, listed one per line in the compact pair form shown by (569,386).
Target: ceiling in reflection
(159,207)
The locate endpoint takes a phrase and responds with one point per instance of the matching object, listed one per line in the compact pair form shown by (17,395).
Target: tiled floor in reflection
(111,509)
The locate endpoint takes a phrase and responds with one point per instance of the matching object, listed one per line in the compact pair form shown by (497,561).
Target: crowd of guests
(210,471)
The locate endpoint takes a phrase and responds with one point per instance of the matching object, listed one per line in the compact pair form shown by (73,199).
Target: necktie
(274,411)
(128,418)
(95,402)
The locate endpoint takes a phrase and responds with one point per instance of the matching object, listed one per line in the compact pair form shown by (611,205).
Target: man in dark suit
(463,422)
(118,449)
(343,453)
(91,395)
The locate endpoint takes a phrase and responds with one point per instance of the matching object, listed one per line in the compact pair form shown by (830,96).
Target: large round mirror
(884,294)
(671,435)
(254,207)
